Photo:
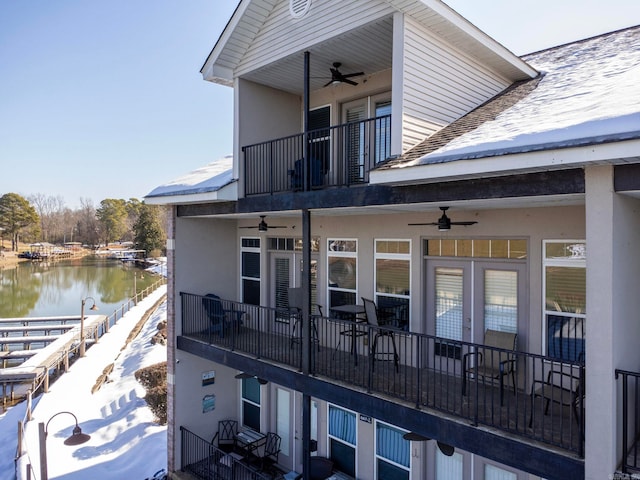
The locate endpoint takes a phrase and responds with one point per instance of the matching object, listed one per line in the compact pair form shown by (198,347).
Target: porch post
(306,164)
(306,338)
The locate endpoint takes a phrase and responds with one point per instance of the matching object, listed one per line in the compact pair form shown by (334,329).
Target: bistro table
(249,440)
(353,312)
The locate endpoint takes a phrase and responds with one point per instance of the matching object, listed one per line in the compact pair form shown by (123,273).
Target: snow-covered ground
(125,441)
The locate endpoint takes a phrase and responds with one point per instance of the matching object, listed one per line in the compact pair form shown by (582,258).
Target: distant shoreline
(10,259)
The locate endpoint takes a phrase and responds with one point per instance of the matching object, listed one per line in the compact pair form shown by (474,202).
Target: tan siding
(281,35)
(440,84)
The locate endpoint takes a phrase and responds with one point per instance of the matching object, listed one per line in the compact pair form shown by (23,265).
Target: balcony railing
(341,155)
(208,462)
(424,370)
(630,420)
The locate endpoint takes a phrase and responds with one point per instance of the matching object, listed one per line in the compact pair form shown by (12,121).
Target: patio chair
(493,362)
(271,451)
(220,318)
(371,311)
(225,437)
(295,311)
(563,386)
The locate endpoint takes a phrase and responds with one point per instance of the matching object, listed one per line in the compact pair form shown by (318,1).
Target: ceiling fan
(338,77)
(263,227)
(444,223)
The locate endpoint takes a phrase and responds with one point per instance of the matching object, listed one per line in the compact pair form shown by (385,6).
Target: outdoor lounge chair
(371,311)
(494,362)
(220,319)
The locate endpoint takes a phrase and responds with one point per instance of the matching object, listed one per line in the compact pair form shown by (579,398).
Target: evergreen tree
(16,214)
(148,232)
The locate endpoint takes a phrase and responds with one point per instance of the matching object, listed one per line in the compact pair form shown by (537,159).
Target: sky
(125,441)
(106,100)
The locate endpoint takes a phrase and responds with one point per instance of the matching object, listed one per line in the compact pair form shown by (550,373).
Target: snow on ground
(125,441)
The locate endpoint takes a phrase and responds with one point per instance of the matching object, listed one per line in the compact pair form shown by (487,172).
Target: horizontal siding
(281,35)
(440,84)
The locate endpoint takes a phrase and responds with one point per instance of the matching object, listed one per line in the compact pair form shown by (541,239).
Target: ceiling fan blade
(350,82)
(431,223)
(348,75)
(463,223)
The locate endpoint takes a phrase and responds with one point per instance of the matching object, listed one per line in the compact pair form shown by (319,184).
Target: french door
(286,272)
(467,297)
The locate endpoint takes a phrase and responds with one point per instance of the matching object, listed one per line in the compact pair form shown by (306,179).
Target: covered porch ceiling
(366,49)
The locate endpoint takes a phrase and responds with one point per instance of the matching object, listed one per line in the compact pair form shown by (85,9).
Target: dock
(53,355)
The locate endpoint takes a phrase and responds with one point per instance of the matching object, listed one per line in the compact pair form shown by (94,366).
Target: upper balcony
(532,397)
(337,156)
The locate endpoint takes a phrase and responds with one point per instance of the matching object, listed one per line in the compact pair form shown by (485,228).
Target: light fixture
(76,438)
(416,437)
(243,375)
(93,307)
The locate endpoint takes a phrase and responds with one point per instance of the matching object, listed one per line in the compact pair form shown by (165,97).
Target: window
(250,277)
(492,472)
(565,299)
(342,439)
(251,403)
(342,272)
(392,453)
(392,279)
(514,249)
(448,468)
(382,137)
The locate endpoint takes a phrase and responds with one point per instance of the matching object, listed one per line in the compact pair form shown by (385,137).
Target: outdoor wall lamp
(93,307)
(76,438)
(416,437)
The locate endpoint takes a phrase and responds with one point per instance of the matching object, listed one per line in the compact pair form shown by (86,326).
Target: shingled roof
(587,93)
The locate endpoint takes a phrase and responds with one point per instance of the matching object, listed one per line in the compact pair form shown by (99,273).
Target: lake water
(42,289)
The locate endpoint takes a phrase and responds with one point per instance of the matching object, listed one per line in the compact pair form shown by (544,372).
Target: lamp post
(93,307)
(76,438)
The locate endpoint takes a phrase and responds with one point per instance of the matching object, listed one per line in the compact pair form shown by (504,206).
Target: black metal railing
(630,420)
(206,461)
(341,155)
(546,405)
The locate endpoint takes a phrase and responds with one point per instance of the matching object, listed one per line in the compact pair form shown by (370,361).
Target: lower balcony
(528,396)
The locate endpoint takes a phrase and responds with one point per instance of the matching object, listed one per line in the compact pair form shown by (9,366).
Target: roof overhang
(612,153)
(224,194)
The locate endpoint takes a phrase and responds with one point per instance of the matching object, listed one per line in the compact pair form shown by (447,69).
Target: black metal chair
(295,312)
(225,437)
(493,362)
(271,452)
(371,311)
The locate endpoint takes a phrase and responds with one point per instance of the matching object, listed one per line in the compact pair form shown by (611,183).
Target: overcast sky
(105,99)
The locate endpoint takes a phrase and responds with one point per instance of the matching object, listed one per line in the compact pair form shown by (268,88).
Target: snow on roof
(589,93)
(210,178)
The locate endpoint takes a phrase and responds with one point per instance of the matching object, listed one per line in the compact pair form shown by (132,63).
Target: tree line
(41,218)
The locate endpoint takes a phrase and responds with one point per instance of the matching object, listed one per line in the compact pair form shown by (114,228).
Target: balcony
(339,156)
(422,370)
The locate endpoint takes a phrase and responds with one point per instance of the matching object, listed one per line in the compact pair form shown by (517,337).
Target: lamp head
(77,437)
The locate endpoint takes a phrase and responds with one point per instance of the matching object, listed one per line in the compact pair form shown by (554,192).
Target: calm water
(40,289)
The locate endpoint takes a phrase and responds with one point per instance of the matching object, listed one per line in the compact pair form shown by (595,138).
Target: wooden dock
(57,349)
